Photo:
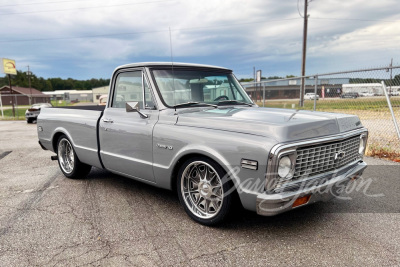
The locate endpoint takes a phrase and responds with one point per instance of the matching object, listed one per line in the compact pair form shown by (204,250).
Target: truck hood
(280,124)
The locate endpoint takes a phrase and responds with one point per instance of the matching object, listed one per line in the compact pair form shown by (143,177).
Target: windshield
(209,87)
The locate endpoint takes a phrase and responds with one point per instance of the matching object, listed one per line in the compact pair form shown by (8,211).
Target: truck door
(126,141)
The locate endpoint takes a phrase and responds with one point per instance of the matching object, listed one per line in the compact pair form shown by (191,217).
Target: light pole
(303,62)
(29,80)
(12,96)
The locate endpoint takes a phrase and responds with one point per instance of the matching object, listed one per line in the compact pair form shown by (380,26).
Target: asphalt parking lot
(107,220)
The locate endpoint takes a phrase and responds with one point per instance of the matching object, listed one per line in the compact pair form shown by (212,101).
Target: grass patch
(383,152)
(19,114)
(56,103)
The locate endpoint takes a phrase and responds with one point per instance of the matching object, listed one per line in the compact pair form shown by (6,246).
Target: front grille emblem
(339,155)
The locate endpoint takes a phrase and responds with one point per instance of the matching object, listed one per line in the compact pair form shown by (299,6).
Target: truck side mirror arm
(134,107)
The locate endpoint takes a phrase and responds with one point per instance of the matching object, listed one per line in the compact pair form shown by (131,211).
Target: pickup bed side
(79,125)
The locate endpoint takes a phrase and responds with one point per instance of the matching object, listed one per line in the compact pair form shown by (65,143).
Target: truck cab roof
(169,64)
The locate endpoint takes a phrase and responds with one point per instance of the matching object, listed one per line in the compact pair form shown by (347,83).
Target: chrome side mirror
(134,107)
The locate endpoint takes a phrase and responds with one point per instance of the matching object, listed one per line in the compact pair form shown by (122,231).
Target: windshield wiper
(191,104)
(233,102)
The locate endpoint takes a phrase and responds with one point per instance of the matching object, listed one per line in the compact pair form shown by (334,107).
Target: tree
(245,80)
(396,80)
(50,84)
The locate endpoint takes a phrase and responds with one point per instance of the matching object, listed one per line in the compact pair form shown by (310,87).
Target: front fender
(173,144)
(161,172)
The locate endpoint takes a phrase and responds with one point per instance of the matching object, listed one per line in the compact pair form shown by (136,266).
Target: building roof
(23,90)
(101,87)
(297,82)
(362,85)
(71,92)
(100,90)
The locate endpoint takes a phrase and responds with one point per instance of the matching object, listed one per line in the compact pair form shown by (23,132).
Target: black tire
(214,198)
(68,161)
(29,120)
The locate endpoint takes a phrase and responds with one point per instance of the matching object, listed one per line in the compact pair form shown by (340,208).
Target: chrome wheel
(66,155)
(202,189)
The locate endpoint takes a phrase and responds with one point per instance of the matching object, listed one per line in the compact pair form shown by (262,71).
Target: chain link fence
(15,106)
(359,92)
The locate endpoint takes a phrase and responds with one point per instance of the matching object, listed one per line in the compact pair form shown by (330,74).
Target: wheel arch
(57,134)
(215,157)
(178,164)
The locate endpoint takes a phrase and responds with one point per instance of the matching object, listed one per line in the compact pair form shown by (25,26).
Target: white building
(99,91)
(394,90)
(71,95)
(373,88)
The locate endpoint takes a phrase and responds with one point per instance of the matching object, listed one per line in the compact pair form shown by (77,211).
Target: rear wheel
(69,163)
(204,191)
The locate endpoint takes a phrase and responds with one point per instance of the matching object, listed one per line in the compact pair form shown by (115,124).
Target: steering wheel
(221,97)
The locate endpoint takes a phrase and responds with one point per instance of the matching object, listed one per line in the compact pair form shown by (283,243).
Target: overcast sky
(90,38)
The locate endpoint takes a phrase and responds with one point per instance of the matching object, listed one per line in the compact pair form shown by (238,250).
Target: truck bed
(79,124)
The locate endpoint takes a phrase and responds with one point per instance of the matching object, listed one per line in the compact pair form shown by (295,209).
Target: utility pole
(254,81)
(30,89)
(303,63)
(12,96)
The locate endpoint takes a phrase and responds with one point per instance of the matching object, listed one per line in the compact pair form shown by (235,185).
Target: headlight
(363,143)
(285,167)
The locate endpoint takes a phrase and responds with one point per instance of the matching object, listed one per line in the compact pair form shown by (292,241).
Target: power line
(80,8)
(45,3)
(298,9)
(79,37)
(179,29)
(142,32)
(233,24)
(355,19)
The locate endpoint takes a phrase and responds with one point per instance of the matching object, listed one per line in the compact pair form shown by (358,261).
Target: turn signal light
(301,201)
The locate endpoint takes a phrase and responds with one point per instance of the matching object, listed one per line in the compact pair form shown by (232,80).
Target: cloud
(233,33)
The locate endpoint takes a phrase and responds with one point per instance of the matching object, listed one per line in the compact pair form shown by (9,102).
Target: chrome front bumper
(272,204)
(31,116)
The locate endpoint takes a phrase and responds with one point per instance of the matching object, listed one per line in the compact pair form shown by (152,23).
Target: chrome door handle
(108,120)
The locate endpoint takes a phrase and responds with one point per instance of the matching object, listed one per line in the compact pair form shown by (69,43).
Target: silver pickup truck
(192,128)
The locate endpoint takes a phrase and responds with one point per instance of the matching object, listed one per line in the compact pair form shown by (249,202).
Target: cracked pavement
(108,220)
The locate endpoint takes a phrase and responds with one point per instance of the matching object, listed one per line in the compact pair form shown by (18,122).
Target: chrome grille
(317,159)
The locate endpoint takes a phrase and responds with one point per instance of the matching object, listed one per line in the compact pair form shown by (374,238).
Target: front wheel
(69,163)
(204,190)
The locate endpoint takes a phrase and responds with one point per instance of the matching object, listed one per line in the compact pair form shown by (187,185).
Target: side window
(148,96)
(128,87)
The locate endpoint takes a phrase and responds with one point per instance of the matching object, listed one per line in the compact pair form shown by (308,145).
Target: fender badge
(165,146)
